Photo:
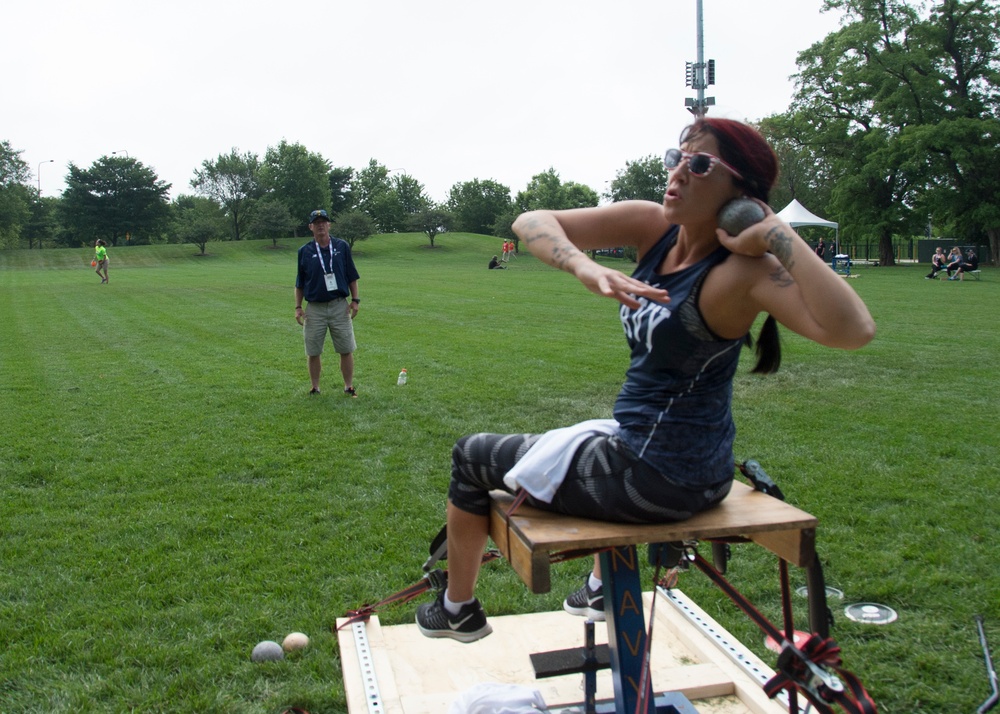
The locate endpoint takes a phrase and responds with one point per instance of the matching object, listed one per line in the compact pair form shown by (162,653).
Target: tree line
(893,132)
(239,194)
(894,129)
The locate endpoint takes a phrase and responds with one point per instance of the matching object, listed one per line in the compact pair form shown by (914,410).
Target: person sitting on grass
(686,312)
(495,264)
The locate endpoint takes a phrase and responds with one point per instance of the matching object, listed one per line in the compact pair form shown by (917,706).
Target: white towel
(494,698)
(542,469)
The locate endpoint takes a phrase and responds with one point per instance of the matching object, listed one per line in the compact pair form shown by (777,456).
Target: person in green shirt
(101,260)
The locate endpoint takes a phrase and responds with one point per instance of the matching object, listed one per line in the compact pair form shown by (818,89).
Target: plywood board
(417,675)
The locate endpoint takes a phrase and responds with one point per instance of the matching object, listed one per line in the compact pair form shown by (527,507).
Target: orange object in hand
(93,264)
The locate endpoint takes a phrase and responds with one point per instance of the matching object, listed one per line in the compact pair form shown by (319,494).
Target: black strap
(365,612)
(436,579)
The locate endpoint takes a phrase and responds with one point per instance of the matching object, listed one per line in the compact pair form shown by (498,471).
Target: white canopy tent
(795,215)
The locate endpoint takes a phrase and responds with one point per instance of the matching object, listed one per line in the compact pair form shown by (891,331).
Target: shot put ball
(267,651)
(295,641)
(738,215)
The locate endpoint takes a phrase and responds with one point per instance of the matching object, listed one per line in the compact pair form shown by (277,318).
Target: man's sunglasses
(699,163)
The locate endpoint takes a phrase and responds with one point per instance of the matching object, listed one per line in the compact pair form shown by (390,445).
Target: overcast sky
(446,90)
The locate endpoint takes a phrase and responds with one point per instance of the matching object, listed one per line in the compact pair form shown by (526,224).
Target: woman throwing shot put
(686,311)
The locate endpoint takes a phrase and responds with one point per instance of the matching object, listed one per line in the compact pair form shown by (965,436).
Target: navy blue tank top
(675,405)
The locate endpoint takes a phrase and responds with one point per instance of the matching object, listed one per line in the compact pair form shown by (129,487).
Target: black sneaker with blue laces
(468,625)
(586,603)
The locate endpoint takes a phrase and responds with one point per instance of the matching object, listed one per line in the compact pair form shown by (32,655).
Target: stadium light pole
(113,153)
(695,73)
(39,174)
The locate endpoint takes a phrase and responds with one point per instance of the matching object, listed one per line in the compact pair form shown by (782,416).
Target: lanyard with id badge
(331,279)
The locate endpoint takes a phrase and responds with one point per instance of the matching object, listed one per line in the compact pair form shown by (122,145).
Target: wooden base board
(417,675)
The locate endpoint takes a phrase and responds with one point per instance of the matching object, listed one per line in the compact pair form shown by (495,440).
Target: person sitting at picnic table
(937,264)
(971,262)
(954,260)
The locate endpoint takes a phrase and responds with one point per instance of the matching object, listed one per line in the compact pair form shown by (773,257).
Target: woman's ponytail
(768,348)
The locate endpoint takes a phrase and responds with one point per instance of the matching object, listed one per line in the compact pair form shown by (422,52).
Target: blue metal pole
(626,628)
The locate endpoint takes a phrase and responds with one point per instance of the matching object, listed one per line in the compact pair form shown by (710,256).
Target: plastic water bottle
(402,379)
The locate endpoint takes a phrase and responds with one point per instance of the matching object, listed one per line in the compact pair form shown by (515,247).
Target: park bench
(973,273)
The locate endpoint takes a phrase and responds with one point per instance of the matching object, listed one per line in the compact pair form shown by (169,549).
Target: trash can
(841,264)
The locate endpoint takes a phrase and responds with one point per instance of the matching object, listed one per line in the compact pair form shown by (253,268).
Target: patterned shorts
(606,481)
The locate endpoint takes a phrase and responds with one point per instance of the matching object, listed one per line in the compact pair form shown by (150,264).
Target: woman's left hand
(615,284)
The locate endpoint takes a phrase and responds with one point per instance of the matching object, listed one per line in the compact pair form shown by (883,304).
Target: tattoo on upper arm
(780,277)
(780,245)
(529,231)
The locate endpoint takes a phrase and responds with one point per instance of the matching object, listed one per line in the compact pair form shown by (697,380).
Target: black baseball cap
(320,214)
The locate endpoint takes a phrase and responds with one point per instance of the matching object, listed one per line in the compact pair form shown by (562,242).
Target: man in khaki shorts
(328,281)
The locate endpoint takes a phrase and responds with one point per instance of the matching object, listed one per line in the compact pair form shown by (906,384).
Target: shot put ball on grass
(267,651)
(295,641)
(738,215)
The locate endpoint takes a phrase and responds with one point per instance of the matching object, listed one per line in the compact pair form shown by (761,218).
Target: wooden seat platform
(528,537)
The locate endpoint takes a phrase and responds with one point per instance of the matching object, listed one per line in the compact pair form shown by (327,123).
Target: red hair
(743,147)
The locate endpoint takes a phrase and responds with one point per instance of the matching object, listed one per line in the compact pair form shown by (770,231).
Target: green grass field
(171,495)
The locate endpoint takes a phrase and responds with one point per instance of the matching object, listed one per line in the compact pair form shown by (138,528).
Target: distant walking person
(506,248)
(101,260)
(821,249)
(328,281)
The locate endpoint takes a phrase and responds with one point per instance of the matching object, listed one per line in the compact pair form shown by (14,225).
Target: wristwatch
(357,300)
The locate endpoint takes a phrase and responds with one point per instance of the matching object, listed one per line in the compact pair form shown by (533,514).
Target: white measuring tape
(735,650)
(372,695)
